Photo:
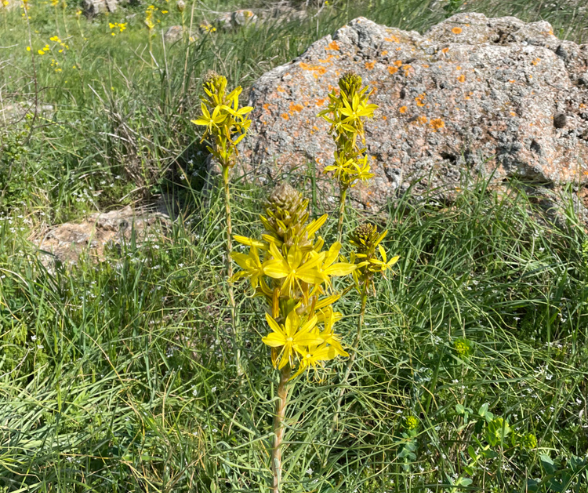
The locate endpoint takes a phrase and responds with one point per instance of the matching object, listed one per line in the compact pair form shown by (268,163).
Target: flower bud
(181,6)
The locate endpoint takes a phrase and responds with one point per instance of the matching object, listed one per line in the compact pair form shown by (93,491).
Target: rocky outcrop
(65,243)
(499,96)
(92,8)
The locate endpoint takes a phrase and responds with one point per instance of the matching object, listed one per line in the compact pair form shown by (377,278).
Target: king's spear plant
(370,259)
(226,125)
(346,112)
(291,272)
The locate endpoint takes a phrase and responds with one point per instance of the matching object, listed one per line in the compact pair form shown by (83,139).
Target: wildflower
(462,347)
(411,423)
(291,337)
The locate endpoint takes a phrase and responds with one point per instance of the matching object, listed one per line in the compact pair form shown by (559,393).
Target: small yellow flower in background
(164,11)
(28,48)
(207,28)
(117,26)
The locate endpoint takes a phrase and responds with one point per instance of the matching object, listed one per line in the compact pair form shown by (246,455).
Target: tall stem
(353,352)
(278,428)
(342,197)
(232,305)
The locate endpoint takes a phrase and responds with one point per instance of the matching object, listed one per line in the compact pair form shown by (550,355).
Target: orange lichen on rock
(536,61)
(457,30)
(266,106)
(317,69)
(370,65)
(437,124)
(320,102)
(422,120)
(296,107)
(392,70)
(285,116)
(398,63)
(420,100)
(392,39)
(461,78)
(402,110)
(385,52)
(333,45)
(444,50)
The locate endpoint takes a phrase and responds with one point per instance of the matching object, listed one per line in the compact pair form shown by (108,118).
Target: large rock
(92,8)
(497,95)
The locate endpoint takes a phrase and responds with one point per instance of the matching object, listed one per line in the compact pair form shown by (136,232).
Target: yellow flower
(295,268)
(291,337)
(251,265)
(384,264)
(315,356)
(329,317)
(210,121)
(328,268)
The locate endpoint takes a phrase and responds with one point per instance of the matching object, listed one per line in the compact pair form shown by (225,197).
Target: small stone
(560,120)
(173,34)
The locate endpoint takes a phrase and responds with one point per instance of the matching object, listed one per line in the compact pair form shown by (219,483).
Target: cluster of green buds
(290,270)
(369,255)
(345,113)
(226,124)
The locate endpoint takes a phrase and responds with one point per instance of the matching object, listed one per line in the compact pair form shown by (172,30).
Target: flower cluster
(366,239)
(345,113)
(116,25)
(225,122)
(289,268)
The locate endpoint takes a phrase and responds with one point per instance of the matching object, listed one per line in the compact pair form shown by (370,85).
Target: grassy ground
(120,376)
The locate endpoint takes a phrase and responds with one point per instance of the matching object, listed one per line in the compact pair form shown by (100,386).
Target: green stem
(342,197)
(279,429)
(360,323)
(232,304)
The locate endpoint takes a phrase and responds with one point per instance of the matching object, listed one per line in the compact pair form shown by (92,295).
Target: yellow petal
(273,340)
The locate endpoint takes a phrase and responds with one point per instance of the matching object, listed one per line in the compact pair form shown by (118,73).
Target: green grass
(119,376)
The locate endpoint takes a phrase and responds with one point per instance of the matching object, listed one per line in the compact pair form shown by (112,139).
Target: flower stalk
(371,258)
(226,125)
(279,428)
